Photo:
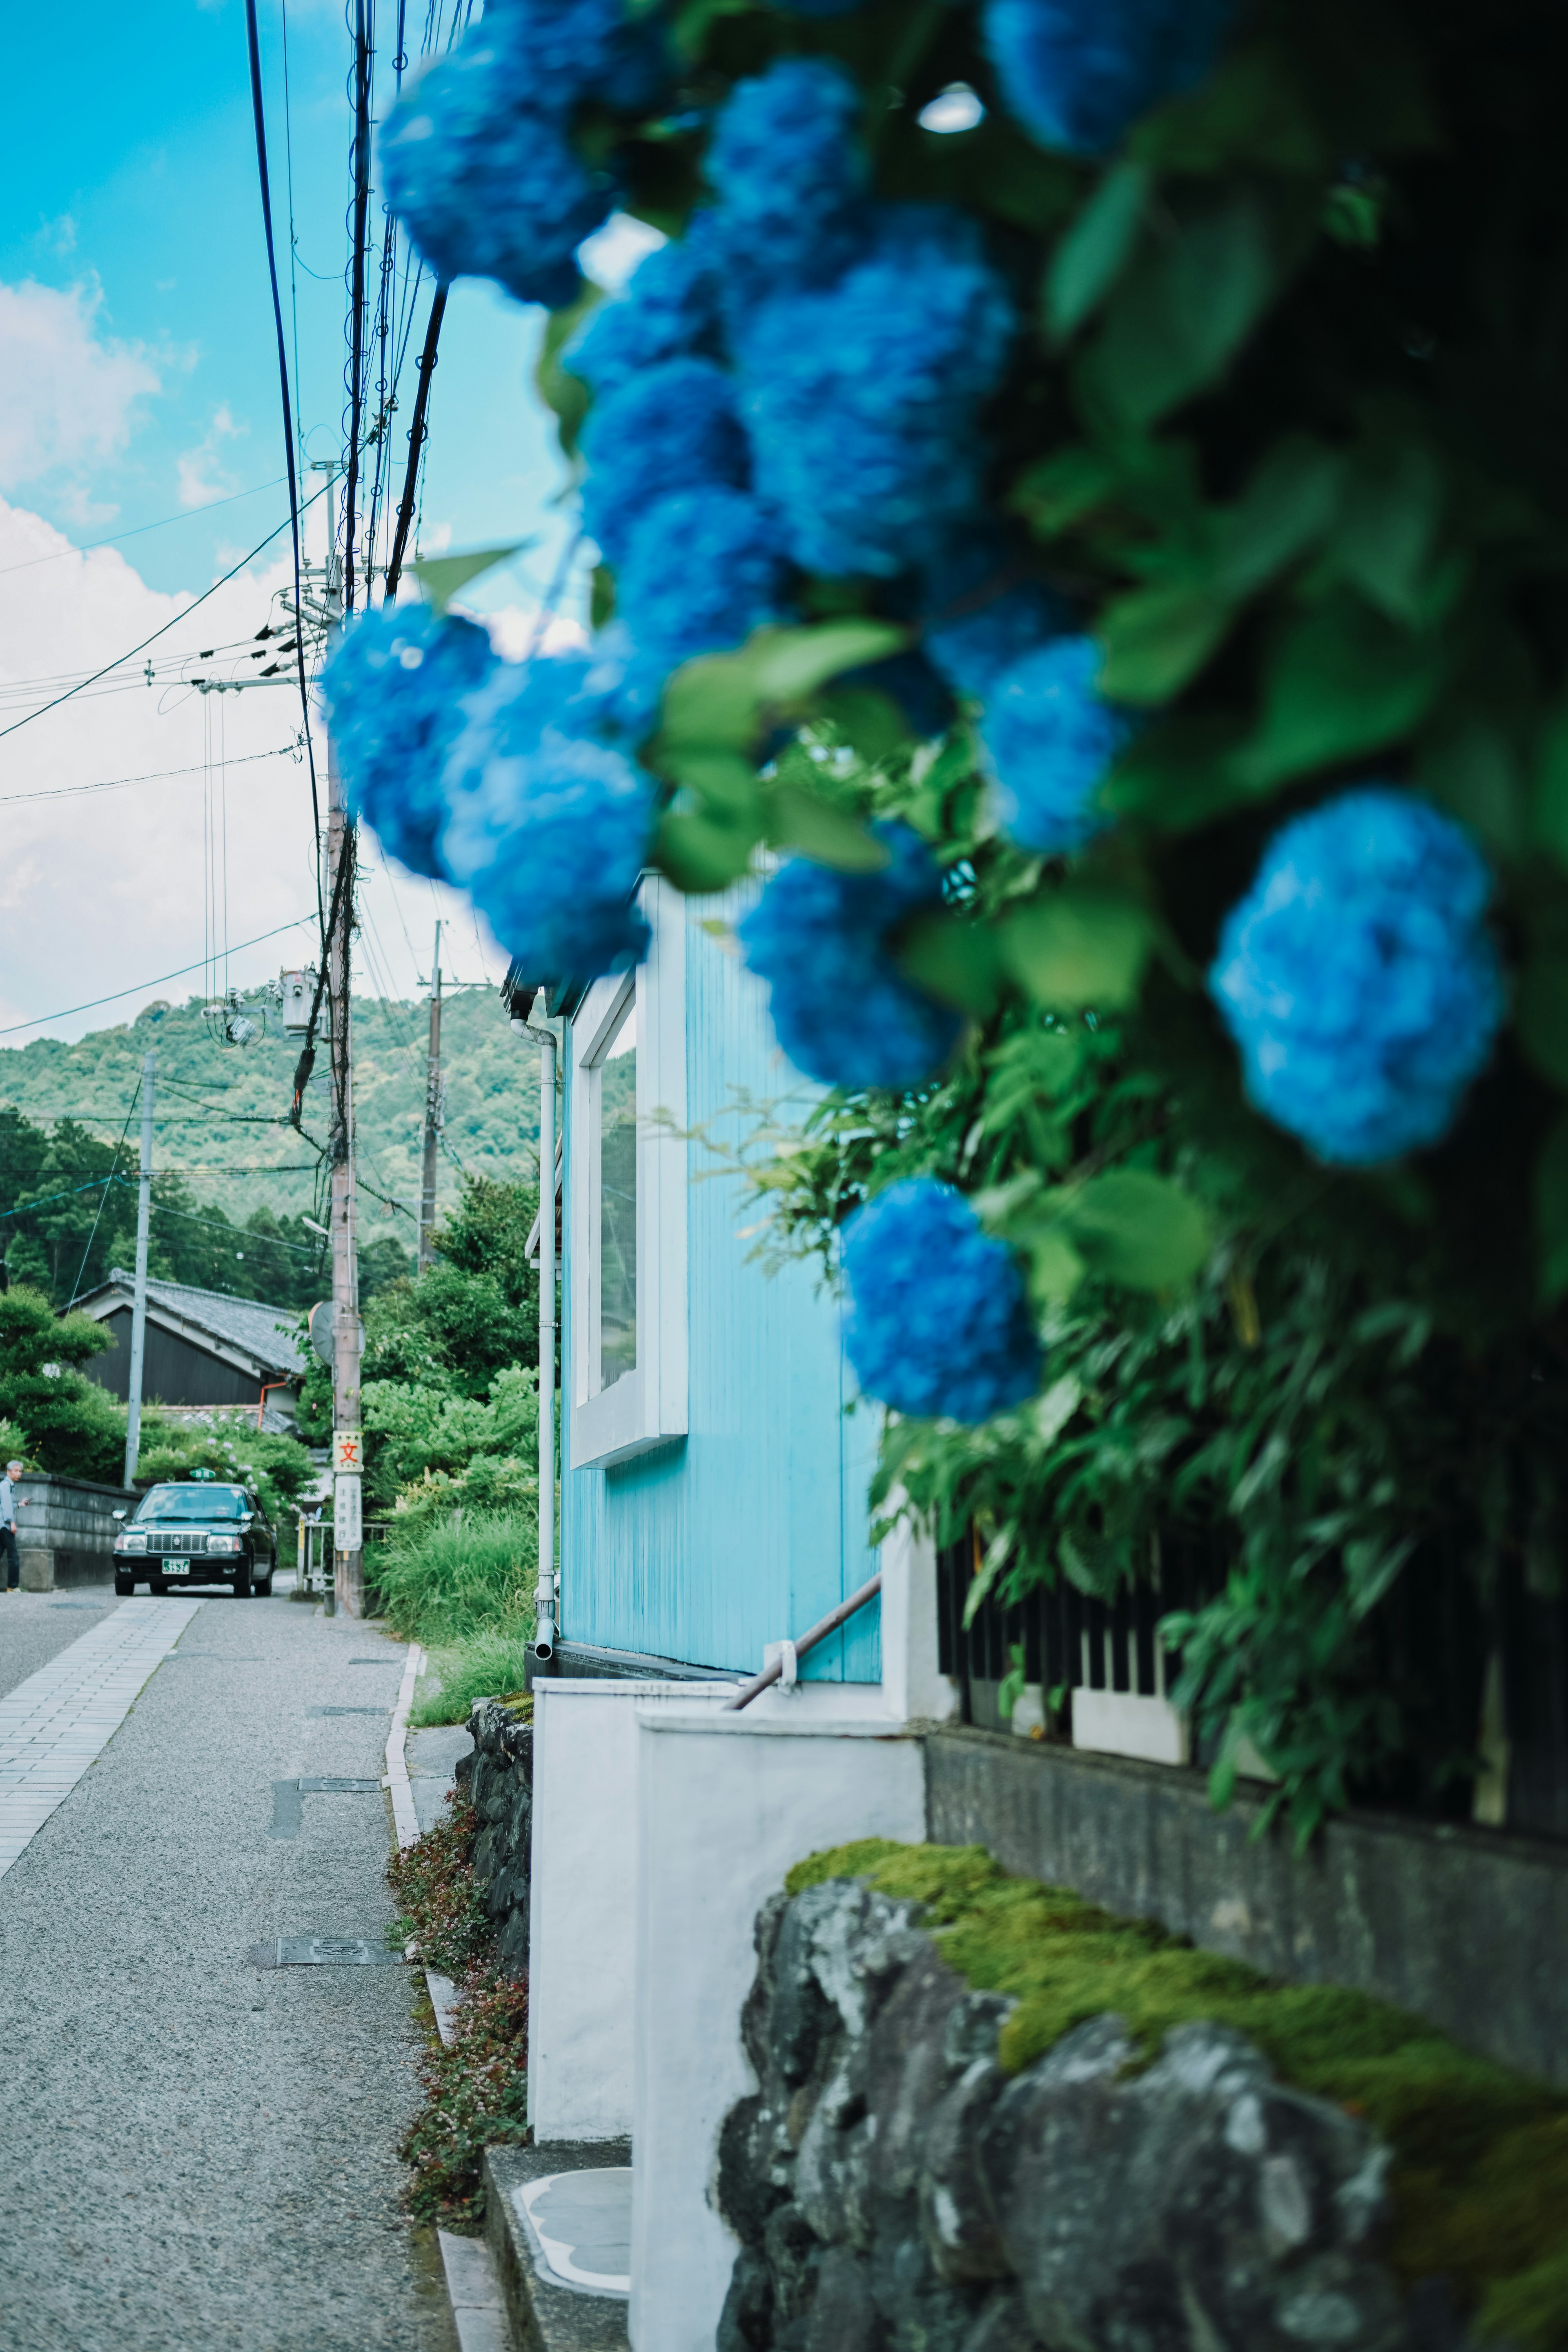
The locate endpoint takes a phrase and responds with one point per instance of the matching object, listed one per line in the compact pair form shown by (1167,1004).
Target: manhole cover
(581,2226)
(326,1785)
(376,1662)
(325,1952)
(346,1710)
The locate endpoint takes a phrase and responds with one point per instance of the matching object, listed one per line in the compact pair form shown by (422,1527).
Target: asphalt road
(196,2152)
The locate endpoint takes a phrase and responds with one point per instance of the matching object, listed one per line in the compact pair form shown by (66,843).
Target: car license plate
(174,1568)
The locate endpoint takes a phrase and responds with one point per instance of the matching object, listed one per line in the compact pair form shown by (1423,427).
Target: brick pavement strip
(58,1721)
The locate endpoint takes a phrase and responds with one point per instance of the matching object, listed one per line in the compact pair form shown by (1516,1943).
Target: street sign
(348,1521)
(348,1451)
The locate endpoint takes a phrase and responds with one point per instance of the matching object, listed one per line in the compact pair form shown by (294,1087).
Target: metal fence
(1482,1687)
(314,1572)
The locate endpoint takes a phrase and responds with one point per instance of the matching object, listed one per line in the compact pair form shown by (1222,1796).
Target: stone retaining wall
(499,1779)
(895,2192)
(64,1533)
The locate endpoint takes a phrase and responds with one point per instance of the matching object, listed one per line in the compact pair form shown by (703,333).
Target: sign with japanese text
(348,1523)
(348,1451)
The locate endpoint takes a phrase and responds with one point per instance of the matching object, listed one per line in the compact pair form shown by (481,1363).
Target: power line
(114,1171)
(255,47)
(418,433)
(155,776)
(187,514)
(137,986)
(130,654)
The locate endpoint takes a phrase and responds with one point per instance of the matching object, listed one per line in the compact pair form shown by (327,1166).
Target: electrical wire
(113,1171)
(130,654)
(39,1020)
(156,776)
(253,39)
(187,514)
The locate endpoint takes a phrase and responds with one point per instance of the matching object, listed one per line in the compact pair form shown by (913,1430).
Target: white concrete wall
(726,1804)
(582,1895)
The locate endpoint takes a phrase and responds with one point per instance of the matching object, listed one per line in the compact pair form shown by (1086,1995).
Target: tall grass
(464,1588)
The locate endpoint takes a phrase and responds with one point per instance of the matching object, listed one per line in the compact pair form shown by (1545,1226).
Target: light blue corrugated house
(714,1487)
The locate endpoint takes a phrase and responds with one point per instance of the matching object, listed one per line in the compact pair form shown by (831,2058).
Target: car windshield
(195,1502)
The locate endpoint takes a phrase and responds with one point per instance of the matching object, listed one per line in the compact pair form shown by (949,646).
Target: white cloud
(70,390)
(102,889)
(59,235)
(203,480)
(613,252)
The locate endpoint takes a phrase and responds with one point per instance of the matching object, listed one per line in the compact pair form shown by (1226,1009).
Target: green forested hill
(217,1106)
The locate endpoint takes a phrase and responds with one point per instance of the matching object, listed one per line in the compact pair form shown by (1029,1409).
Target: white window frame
(647,1406)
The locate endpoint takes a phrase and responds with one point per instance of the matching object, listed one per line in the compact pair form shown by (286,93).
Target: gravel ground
(198,2152)
(35,1626)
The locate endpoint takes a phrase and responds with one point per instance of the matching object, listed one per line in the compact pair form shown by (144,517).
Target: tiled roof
(247,1323)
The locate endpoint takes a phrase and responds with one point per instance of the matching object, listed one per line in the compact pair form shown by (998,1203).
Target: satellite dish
(322,1331)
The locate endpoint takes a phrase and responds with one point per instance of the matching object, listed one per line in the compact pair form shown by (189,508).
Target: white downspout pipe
(545,1630)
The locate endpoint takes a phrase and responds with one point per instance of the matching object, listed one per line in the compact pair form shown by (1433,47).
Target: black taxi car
(197,1531)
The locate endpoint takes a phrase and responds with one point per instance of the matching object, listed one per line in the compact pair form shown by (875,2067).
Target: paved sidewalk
(58,1721)
(198,2152)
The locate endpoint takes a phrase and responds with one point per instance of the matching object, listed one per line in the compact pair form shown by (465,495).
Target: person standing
(9,1507)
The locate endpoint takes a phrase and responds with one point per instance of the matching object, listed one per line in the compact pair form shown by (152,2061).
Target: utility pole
(138,1308)
(348,1436)
(432,1111)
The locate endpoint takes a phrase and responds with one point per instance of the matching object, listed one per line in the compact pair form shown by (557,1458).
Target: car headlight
(133,1540)
(226,1543)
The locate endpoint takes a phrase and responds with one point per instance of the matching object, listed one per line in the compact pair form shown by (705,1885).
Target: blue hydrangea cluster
(842,1011)
(938,1322)
(670,310)
(548,823)
(674,427)
(862,398)
(1358,977)
(1077,72)
(702,569)
(1052,740)
(981,611)
(790,173)
(476,156)
(394,690)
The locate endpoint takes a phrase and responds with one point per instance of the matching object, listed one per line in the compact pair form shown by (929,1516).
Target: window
(626,1059)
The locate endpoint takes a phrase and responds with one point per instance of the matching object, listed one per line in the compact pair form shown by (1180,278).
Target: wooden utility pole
(348,1436)
(432,1111)
(138,1301)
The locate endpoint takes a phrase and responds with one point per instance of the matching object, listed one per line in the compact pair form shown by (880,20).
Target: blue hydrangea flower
(862,398)
(938,1322)
(670,310)
(1052,740)
(842,1011)
(1077,72)
(549,824)
(981,611)
(703,570)
(1358,977)
(790,172)
(394,687)
(671,428)
(568,49)
(486,181)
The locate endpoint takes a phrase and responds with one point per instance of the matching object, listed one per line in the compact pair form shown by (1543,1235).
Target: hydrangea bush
(1145,501)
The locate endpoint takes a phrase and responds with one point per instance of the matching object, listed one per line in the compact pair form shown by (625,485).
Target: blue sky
(137,199)
(139,362)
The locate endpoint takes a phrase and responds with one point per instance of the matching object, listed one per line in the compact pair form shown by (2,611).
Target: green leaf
(1186,306)
(1549,812)
(1387,540)
(1138,1229)
(1177,773)
(1541,1017)
(1290,503)
(799,820)
(869,721)
(1157,638)
(1083,945)
(710,701)
(441,576)
(1341,680)
(1550,1190)
(789,665)
(1055,1268)
(1056,1407)
(1060,489)
(956,961)
(725,780)
(1096,248)
(561,392)
(699,855)
(1471,769)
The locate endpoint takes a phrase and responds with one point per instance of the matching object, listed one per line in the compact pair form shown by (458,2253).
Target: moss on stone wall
(1479,2178)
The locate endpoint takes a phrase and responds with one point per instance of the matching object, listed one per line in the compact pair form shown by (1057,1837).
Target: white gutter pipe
(545,1630)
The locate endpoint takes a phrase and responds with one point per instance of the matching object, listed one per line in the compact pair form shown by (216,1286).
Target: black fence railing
(1482,1690)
